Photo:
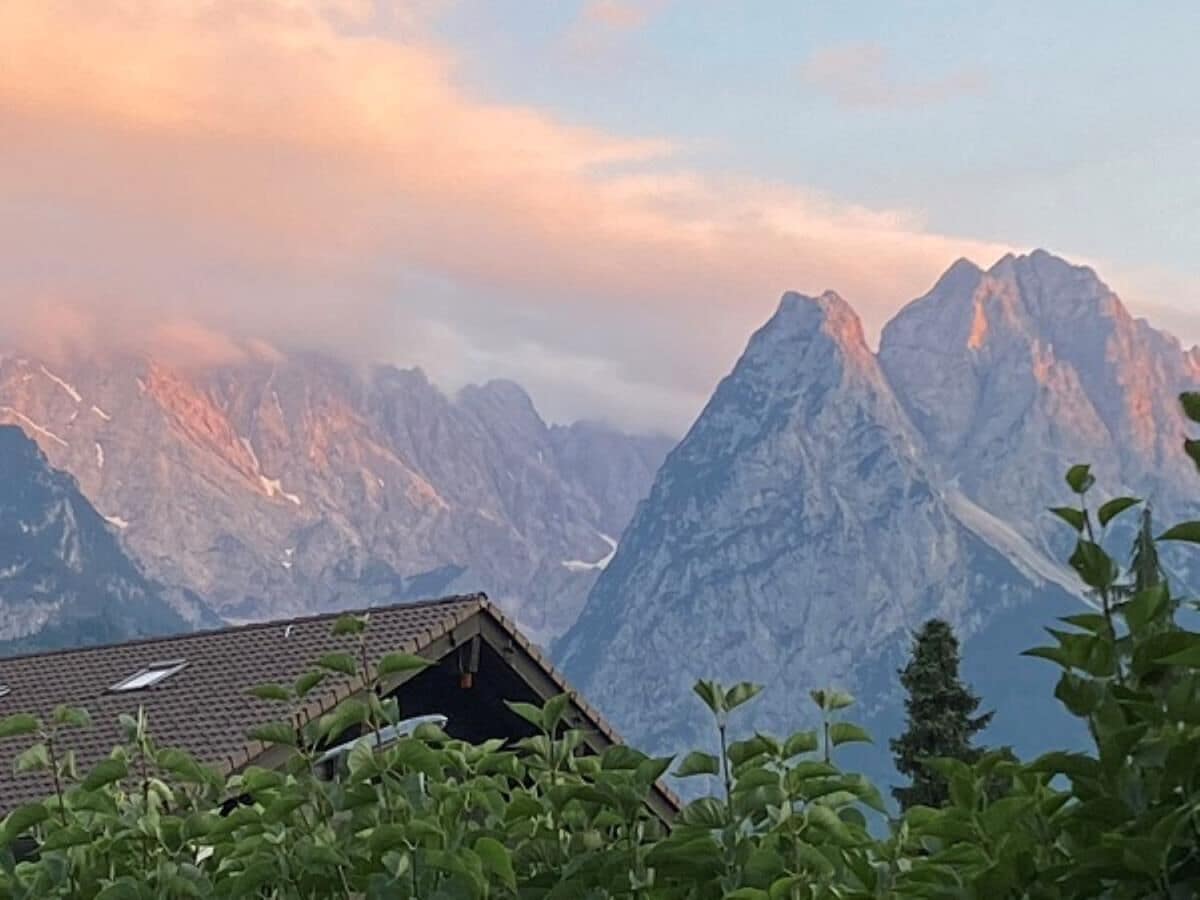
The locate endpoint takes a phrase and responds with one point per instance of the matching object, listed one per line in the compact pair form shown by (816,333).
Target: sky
(600,199)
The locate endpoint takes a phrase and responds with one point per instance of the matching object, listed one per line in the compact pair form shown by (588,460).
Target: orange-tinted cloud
(277,168)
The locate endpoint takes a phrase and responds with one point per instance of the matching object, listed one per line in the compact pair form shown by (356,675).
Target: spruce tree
(1146,569)
(942,716)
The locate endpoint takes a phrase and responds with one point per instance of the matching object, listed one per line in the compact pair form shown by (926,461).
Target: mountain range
(829,499)
(280,484)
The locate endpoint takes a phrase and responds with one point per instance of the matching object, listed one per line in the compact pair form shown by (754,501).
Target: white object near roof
(150,676)
(384,736)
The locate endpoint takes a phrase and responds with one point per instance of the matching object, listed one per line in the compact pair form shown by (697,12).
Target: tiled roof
(205,708)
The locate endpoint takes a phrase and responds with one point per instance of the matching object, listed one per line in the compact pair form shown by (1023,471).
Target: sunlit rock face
(63,576)
(284,484)
(828,500)
(1051,371)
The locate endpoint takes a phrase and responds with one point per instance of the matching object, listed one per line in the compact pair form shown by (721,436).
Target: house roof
(206,708)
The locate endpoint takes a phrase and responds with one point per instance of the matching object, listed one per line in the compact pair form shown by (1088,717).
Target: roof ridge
(479,597)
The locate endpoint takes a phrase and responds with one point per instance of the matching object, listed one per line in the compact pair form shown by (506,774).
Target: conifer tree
(1146,569)
(942,716)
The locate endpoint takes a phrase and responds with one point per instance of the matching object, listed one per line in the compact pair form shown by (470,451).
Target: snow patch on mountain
(273,486)
(576,565)
(1019,551)
(70,389)
(34,426)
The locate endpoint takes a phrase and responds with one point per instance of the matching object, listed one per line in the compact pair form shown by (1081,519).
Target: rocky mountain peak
(807,334)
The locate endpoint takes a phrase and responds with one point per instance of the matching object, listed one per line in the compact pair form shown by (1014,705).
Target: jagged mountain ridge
(827,500)
(280,484)
(1011,373)
(64,578)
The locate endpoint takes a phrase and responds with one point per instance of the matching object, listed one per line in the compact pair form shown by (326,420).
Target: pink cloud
(861,75)
(260,167)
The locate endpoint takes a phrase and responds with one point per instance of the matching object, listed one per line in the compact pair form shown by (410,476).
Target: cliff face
(286,484)
(63,576)
(1015,373)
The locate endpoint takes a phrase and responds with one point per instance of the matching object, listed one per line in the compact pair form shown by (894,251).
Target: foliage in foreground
(431,817)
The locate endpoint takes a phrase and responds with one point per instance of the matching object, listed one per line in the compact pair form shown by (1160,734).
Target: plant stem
(721,728)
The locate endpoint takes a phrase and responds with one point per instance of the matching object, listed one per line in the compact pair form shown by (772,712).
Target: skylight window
(153,674)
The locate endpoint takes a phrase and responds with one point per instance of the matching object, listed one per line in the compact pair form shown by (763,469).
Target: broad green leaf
(395,663)
(741,752)
(33,759)
(183,766)
(72,717)
(1188,531)
(827,820)
(801,742)
(846,733)
(1095,567)
(275,733)
(1191,405)
(338,662)
(361,761)
(496,861)
(1080,479)
(1189,658)
(104,773)
(21,723)
(23,818)
(706,812)
(306,682)
(1082,696)
(1114,508)
(712,695)
(1073,517)
(1093,622)
(275,692)
(1146,606)
(387,837)
(835,700)
(1192,449)
(527,711)
(343,717)
(782,888)
(71,836)
(348,624)
(698,764)
(124,888)
(741,693)
(554,710)
(621,757)
(653,769)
